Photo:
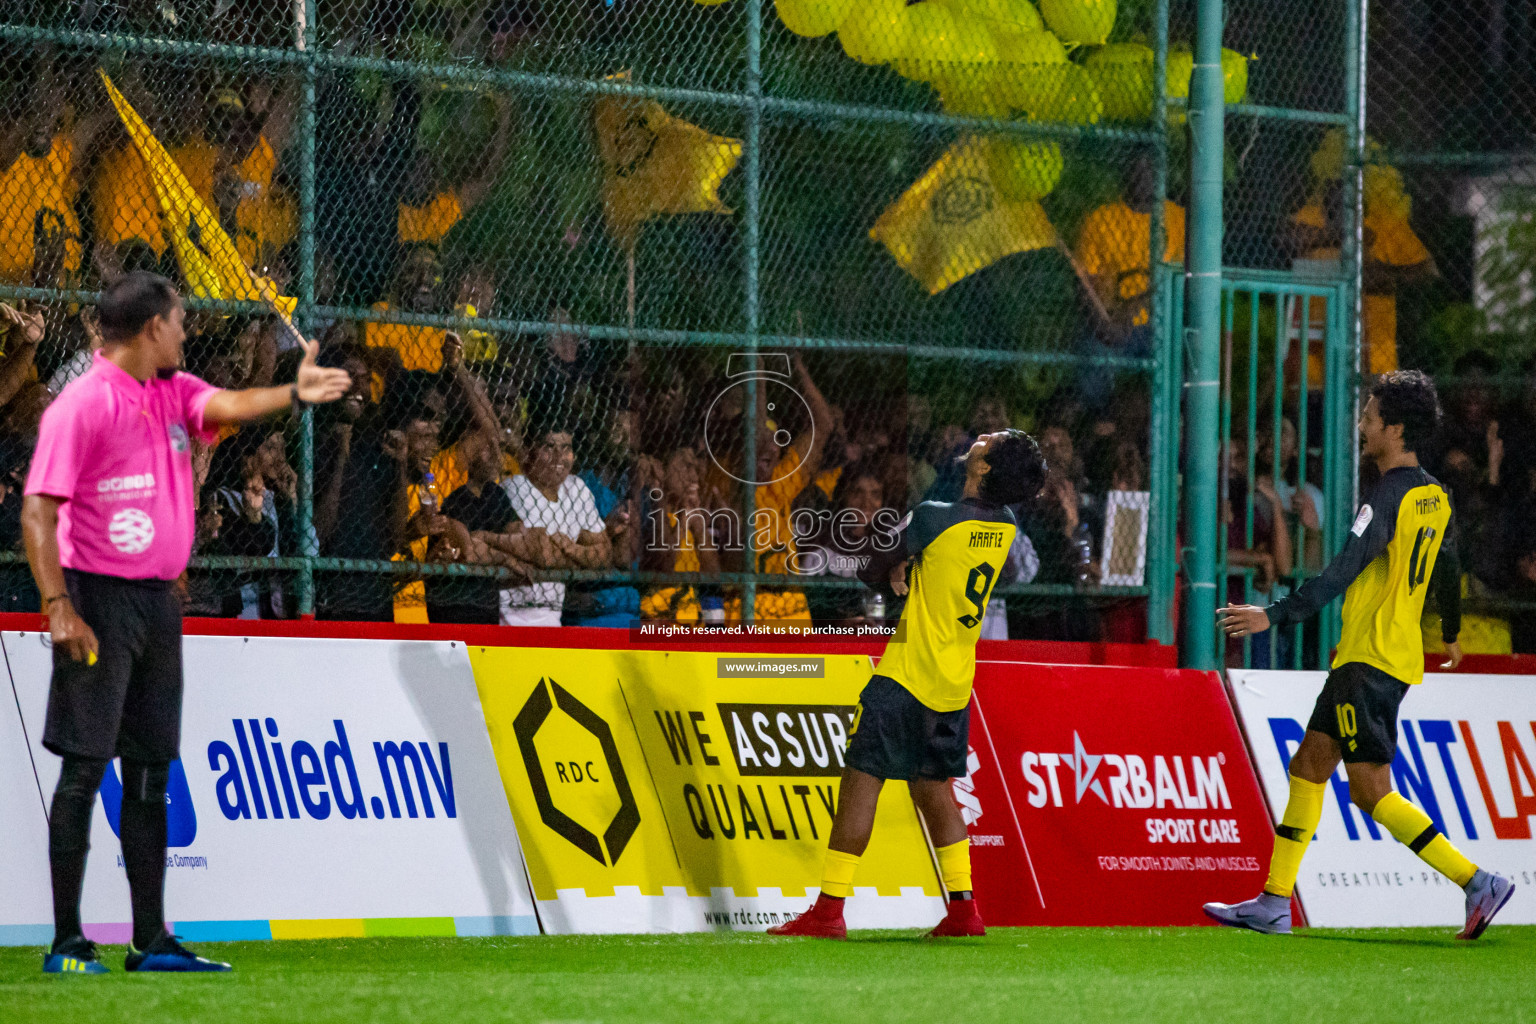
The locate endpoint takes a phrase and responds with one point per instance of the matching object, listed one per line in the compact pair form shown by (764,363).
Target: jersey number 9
(977,586)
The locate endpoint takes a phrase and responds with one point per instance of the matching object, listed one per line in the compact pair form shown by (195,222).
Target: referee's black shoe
(166,954)
(74,956)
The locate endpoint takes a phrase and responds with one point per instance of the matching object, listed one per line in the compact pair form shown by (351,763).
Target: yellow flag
(954,221)
(656,164)
(208,258)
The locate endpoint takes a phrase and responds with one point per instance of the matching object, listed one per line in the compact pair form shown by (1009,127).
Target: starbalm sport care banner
(651,794)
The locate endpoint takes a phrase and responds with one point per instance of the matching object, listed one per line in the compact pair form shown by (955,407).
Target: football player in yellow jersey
(913,717)
(1399,549)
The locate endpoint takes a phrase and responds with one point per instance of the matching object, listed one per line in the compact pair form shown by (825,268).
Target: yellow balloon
(1030,48)
(1057,92)
(940,46)
(1020,57)
(1123,74)
(1086,22)
(875,31)
(1000,15)
(1234,76)
(1181,65)
(972,91)
(812,18)
(1023,171)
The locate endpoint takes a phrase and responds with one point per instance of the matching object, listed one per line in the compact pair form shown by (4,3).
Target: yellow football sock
(837,874)
(1303,811)
(955,865)
(1412,827)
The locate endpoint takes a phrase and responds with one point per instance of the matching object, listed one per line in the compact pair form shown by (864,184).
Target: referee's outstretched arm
(314,385)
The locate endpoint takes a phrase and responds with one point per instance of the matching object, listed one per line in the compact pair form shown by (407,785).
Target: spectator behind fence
(430,207)
(678,534)
(846,536)
(782,472)
(1114,250)
(1062,525)
(417,288)
(18,592)
(21,332)
(478,508)
(1394,258)
(548,497)
(373,467)
(989,414)
(609,474)
(228,155)
(40,235)
(239,511)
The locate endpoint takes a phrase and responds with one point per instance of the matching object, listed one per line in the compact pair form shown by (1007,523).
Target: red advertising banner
(1108,796)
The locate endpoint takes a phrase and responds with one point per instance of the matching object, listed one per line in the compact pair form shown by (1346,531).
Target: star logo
(1084,767)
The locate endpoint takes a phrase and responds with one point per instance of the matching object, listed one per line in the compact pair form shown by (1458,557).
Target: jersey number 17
(1418,565)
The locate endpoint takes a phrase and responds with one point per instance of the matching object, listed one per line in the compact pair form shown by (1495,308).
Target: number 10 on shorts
(1348,727)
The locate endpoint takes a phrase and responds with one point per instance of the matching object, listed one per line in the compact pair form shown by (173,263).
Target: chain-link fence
(1450,187)
(653,308)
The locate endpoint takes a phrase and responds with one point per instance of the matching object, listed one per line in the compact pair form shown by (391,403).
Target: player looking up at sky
(913,718)
(1399,548)
(108,524)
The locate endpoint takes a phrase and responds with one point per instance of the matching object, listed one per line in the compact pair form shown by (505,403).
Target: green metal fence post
(1206,126)
(308,542)
(1163,442)
(1343,356)
(752,159)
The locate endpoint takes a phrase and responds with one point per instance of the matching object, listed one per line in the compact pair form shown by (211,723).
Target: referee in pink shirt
(108,522)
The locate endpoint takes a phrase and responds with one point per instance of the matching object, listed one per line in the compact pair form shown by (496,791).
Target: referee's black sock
(69,840)
(142,829)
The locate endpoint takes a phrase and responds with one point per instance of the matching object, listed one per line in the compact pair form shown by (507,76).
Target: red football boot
(823,921)
(960,919)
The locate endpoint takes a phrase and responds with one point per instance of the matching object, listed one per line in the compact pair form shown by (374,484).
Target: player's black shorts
(896,736)
(128,704)
(1358,707)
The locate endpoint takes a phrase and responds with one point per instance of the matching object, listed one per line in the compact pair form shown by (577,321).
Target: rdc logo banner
(1466,747)
(650,794)
(599,855)
(1108,796)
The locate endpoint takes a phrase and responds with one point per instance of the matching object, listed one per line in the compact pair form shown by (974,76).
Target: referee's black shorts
(897,736)
(128,704)
(1358,708)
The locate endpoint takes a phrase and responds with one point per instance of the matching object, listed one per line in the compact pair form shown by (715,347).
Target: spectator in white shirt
(549,497)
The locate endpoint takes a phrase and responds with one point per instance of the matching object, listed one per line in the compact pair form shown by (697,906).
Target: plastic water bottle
(429,500)
(1082,551)
(712,611)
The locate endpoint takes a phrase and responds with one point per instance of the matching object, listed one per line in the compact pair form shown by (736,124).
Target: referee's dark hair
(1408,397)
(132,301)
(1016,470)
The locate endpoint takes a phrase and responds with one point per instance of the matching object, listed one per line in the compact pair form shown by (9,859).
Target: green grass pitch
(1199,975)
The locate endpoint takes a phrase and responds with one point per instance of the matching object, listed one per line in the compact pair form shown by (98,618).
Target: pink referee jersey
(119,453)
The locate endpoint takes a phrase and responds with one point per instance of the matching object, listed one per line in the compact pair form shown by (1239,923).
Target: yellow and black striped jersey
(1399,548)
(958,551)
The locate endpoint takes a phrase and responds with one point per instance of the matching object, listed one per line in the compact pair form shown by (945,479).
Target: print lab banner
(652,796)
(1108,796)
(1466,747)
(326,787)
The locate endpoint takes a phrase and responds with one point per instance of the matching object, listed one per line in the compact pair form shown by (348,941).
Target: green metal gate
(1288,368)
